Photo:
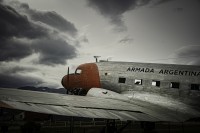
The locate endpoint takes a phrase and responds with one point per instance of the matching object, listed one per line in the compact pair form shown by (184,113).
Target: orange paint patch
(87,76)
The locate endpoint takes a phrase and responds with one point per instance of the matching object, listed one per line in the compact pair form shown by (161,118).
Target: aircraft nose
(86,78)
(64,82)
(71,81)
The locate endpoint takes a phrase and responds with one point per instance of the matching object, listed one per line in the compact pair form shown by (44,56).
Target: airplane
(118,90)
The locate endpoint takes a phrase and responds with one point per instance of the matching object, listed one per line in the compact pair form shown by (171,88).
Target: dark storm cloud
(50,18)
(9,69)
(11,76)
(15,81)
(12,49)
(114,9)
(23,32)
(46,47)
(188,55)
(12,24)
(54,20)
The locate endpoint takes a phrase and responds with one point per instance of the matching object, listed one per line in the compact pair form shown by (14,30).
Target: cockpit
(86,76)
(78,71)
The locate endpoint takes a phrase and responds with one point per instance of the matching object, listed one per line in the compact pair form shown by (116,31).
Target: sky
(41,38)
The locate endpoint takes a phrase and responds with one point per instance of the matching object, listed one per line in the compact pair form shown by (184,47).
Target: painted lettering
(161,71)
(152,71)
(164,71)
(137,70)
(193,73)
(176,72)
(147,70)
(142,70)
(171,72)
(198,74)
(181,73)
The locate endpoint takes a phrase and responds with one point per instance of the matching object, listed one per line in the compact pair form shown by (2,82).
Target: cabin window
(122,80)
(195,87)
(138,81)
(174,85)
(78,71)
(155,83)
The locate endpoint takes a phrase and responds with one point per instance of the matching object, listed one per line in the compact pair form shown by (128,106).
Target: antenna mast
(96,57)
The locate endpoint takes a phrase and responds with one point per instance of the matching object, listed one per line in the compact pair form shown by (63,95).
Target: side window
(138,81)
(195,87)
(122,80)
(155,83)
(174,85)
(78,71)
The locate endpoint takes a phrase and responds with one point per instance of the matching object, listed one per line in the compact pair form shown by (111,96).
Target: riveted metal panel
(165,73)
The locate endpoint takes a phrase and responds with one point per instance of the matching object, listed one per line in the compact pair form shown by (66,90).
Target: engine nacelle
(99,92)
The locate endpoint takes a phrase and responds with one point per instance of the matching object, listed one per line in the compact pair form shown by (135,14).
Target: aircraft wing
(86,106)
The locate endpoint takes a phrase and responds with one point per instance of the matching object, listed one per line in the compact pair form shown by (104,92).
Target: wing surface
(85,106)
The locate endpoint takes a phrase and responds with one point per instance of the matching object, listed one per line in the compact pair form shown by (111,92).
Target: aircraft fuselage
(163,84)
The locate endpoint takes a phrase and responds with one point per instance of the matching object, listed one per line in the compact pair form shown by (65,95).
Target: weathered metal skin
(87,78)
(185,75)
(113,92)
(181,99)
(110,72)
(4,105)
(106,75)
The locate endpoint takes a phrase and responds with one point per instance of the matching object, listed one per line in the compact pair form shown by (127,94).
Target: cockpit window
(78,71)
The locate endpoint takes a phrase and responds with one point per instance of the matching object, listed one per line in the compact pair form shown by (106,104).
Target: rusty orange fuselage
(86,76)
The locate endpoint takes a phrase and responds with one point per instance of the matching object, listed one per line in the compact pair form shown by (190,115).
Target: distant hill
(44,89)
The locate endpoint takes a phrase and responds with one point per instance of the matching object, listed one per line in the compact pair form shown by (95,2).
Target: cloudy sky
(39,39)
